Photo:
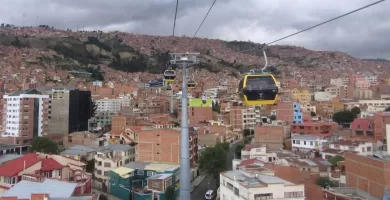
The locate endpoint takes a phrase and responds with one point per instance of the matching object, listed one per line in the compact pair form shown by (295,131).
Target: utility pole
(184,60)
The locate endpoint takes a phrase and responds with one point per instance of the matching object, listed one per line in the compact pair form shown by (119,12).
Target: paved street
(202,188)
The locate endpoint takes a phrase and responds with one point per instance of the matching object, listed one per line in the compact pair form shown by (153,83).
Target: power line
(359,9)
(211,7)
(174,21)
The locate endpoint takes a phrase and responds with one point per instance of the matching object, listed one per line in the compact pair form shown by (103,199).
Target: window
(336,146)
(352,148)
(368,149)
(263,196)
(106,173)
(107,164)
(99,172)
(177,176)
(304,142)
(59,172)
(140,172)
(155,184)
(297,141)
(149,173)
(311,143)
(236,191)
(293,194)
(168,182)
(293,141)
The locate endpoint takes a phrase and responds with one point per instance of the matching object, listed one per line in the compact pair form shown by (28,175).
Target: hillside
(144,53)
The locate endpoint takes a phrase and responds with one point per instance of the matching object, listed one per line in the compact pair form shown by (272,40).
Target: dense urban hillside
(143,53)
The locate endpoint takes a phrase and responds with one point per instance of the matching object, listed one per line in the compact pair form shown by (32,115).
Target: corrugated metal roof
(55,189)
(136,165)
(122,171)
(309,162)
(8,157)
(161,167)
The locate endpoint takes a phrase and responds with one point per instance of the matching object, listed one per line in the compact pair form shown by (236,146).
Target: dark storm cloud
(363,34)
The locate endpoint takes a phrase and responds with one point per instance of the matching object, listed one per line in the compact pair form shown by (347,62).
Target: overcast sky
(364,34)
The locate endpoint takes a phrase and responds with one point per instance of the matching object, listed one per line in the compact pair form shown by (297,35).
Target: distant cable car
(191,84)
(258,88)
(169,75)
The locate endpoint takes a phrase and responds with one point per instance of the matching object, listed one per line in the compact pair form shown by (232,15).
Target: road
(209,182)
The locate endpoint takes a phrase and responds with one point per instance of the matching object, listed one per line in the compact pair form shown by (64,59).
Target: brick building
(369,174)
(163,145)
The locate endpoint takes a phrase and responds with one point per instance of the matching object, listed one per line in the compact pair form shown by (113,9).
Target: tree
(93,108)
(356,110)
(45,145)
(2,25)
(213,161)
(325,182)
(238,150)
(170,193)
(246,132)
(335,159)
(225,145)
(216,107)
(313,114)
(102,197)
(344,117)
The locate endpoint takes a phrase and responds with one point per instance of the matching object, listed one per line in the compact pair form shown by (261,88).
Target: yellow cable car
(191,84)
(169,75)
(258,89)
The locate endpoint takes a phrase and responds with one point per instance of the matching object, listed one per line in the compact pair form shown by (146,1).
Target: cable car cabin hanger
(169,75)
(258,88)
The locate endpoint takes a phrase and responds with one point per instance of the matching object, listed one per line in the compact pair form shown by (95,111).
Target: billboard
(197,102)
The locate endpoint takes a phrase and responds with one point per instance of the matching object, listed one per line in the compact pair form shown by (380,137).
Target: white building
(308,142)
(109,105)
(23,114)
(256,185)
(308,108)
(359,147)
(110,157)
(259,153)
(336,81)
(322,96)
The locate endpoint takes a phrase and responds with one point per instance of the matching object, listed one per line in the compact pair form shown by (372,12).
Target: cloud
(363,34)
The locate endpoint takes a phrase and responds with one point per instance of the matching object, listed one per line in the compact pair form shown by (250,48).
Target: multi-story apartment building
(199,112)
(242,117)
(301,96)
(25,115)
(290,112)
(70,109)
(108,105)
(110,157)
(336,82)
(381,119)
(257,183)
(163,145)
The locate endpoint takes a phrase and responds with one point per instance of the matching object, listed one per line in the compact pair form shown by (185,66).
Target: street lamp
(184,59)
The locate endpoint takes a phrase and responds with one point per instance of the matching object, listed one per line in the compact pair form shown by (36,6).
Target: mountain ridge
(128,52)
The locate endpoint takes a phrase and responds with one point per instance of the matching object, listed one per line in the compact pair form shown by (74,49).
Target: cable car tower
(184,60)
